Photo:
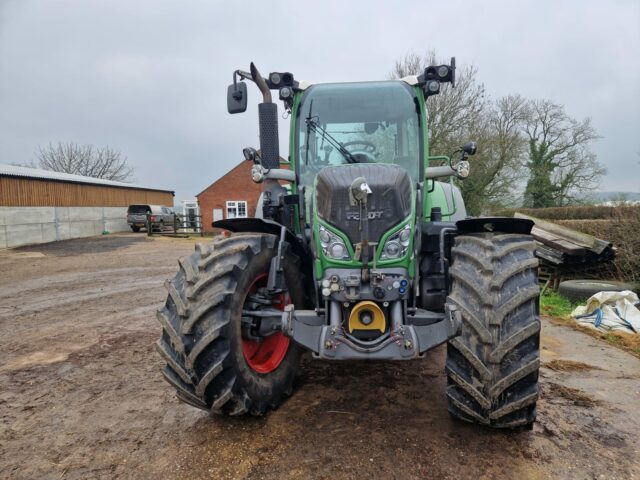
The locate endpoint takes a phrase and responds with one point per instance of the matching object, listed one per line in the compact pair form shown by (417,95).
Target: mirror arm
(438,172)
(259,174)
(460,171)
(242,74)
(237,95)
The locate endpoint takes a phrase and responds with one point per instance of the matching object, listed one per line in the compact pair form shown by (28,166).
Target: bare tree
(513,135)
(85,160)
(453,110)
(560,163)
(411,64)
(497,167)
(464,113)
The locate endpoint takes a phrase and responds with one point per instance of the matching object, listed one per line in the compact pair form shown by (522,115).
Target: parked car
(138,215)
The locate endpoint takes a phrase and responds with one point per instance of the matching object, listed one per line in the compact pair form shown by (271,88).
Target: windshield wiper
(317,129)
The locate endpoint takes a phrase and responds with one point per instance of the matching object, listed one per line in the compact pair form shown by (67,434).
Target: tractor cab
(348,123)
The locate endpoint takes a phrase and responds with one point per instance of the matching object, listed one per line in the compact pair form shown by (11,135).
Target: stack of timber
(561,246)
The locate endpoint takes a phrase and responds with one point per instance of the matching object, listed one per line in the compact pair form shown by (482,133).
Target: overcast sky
(149,77)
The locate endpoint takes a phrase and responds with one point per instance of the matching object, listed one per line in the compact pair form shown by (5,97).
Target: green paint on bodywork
(317,269)
(435,198)
(292,157)
(406,261)
(425,131)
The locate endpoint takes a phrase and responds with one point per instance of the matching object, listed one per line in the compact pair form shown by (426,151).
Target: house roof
(40,174)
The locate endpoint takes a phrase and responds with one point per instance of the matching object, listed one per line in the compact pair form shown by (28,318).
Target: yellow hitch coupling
(367,315)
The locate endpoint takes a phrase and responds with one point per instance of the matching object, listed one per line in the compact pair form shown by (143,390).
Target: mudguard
(262,225)
(494,224)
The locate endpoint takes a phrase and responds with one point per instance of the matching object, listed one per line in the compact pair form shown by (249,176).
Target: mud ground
(81,394)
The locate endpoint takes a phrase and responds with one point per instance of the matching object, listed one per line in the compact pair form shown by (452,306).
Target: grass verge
(559,309)
(555,305)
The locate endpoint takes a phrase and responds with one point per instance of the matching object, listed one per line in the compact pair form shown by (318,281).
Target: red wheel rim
(266,355)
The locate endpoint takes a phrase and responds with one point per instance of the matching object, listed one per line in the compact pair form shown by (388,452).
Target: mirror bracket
(251,154)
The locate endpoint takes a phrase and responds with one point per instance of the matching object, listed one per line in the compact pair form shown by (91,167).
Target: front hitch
(422,331)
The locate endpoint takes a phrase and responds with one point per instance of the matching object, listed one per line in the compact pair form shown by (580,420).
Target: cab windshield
(372,122)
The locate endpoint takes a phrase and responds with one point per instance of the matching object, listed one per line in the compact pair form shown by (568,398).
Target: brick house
(233,195)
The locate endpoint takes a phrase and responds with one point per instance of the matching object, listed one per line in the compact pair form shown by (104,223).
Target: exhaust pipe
(261,83)
(268,123)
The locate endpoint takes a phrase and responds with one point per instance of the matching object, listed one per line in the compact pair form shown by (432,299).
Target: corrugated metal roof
(27,172)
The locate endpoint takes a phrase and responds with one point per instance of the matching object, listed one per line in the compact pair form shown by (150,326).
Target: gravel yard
(81,395)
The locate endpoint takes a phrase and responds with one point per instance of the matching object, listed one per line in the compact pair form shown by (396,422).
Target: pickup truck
(159,215)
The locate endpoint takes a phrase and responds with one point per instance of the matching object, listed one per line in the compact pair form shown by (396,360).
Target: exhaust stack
(268,123)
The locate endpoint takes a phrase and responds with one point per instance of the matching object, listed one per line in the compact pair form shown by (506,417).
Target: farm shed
(38,206)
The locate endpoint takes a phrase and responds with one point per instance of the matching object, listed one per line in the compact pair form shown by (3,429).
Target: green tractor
(360,250)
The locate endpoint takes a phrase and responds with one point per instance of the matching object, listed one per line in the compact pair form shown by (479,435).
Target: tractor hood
(388,203)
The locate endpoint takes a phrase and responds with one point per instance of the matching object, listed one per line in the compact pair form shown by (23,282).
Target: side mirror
(470,148)
(250,154)
(237,97)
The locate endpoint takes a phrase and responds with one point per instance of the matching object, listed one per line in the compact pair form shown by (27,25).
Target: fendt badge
(370,215)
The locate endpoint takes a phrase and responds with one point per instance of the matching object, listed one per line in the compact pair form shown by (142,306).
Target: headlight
(337,250)
(397,244)
(332,245)
(392,249)
(325,238)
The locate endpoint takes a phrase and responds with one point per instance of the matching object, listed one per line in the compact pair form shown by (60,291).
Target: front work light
(433,87)
(332,245)
(397,244)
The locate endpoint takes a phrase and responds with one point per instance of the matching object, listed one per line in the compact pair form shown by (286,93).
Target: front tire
(209,361)
(492,367)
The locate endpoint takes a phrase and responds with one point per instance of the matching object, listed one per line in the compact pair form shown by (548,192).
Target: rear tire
(492,367)
(135,229)
(202,339)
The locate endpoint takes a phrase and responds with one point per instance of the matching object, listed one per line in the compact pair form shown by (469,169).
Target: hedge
(589,212)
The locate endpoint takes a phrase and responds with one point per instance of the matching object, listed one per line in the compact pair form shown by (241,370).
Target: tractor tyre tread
(492,366)
(200,321)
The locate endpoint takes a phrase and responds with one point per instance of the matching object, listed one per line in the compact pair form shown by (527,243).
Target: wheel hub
(263,351)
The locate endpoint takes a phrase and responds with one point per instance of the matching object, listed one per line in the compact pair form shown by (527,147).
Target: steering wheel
(369,147)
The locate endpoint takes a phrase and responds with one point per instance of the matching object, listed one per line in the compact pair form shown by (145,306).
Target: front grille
(388,204)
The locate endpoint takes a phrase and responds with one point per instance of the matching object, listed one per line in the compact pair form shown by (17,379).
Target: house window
(236,209)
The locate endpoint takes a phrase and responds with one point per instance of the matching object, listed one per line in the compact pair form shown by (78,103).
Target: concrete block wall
(33,225)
